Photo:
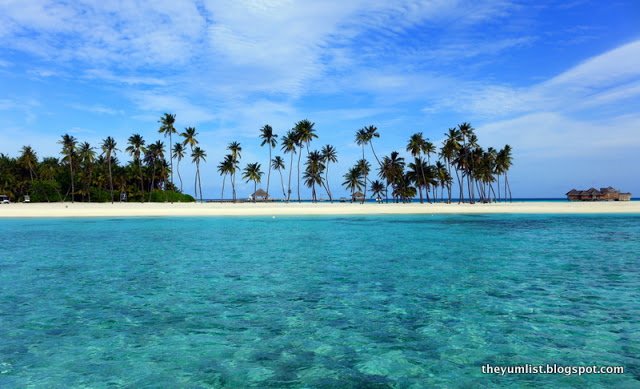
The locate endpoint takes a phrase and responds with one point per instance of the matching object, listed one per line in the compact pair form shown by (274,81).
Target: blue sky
(557,80)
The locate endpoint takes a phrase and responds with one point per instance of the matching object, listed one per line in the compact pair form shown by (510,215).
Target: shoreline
(61,210)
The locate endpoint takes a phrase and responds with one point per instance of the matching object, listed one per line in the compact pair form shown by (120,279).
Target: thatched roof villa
(593,194)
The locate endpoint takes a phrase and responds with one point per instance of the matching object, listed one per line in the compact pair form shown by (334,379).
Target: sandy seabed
(293,208)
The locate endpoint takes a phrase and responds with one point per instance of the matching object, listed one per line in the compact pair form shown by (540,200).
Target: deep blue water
(344,302)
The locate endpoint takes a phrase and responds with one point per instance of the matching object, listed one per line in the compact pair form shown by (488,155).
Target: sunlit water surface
(384,301)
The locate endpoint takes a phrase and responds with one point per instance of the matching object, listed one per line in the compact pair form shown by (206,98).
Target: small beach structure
(593,194)
(357,196)
(260,194)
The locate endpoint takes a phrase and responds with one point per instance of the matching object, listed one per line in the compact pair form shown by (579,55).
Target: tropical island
(85,173)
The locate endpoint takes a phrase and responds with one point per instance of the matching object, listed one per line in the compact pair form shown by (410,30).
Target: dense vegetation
(86,174)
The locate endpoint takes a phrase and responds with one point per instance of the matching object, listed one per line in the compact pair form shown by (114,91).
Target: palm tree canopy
(252,172)
(329,154)
(416,144)
(305,132)
(198,155)
(136,146)
(235,149)
(166,124)
(289,142)
(189,136)
(178,151)
(109,147)
(267,136)
(277,163)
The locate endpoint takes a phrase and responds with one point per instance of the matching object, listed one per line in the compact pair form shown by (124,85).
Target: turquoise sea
(327,302)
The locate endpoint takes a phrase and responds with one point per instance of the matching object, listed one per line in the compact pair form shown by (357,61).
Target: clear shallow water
(385,301)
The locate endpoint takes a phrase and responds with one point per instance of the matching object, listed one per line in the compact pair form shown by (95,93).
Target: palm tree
(252,173)
(365,167)
(352,180)
(268,138)
(69,143)
(504,161)
(450,149)
(135,149)
(154,154)
(109,150)
(29,159)
(198,155)
(87,157)
(225,167)
(372,132)
(377,189)
(313,172)
(392,170)
(235,149)
(189,134)
(329,154)
(415,146)
(304,134)
(464,162)
(289,144)
(278,164)
(178,153)
(166,127)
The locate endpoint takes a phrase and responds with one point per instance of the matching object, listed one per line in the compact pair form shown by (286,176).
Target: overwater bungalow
(593,194)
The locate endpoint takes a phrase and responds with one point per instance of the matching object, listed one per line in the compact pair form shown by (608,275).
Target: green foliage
(159,196)
(45,191)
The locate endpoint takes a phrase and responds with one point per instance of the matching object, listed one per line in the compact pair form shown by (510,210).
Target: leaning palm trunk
(224,179)
(290,171)
(326,182)
(153,180)
(72,183)
(268,174)
(179,177)
(299,156)
(282,183)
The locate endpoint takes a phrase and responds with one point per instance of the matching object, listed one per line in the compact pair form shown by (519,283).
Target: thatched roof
(260,193)
(358,194)
(573,192)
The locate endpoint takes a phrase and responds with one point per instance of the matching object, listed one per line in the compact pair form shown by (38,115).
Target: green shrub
(159,196)
(45,191)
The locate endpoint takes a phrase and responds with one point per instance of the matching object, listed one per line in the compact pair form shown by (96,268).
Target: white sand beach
(17,210)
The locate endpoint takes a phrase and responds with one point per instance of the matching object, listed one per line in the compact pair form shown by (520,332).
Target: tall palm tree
(329,154)
(189,134)
(268,138)
(226,167)
(304,134)
(278,164)
(178,154)
(377,189)
(466,131)
(154,156)
(235,149)
(29,159)
(198,155)
(69,143)
(87,156)
(289,144)
(365,167)
(372,132)
(166,127)
(253,173)
(450,149)
(313,172)
(415,146)
(109,150)
(353,180)
(504,160)
(392,170)
(136,148)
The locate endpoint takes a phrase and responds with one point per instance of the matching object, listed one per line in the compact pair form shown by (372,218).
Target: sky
(559,81)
